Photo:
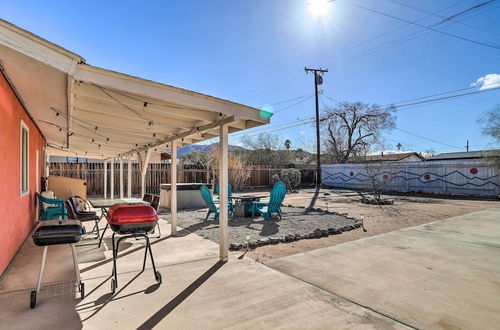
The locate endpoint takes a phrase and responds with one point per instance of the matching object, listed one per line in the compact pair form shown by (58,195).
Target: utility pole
(467,146)
(318,80)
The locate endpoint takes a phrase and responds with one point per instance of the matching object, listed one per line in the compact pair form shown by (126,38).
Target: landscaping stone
(295,222)
(324,232)
(282,239)
(290,237)
(264,241)
(274,240)
(346,228)
(317,233)
(357,225)
(234,246)
(331,231)
(337,231)
(252,244)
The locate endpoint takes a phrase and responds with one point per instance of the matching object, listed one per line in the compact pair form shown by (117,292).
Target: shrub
(291,178)
(275,179)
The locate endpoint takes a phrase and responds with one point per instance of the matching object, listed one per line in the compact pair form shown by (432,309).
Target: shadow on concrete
(177,300)
(141,247)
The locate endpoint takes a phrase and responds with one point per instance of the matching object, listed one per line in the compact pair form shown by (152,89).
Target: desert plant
(275,179)
(291,178)
(239,171)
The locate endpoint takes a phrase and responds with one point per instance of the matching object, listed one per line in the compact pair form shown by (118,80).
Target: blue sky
(254,52)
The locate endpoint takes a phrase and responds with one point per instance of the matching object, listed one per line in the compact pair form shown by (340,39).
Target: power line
(442,98)
(466,11)
(400,40)
(292,99)
(428,139)
(427,27)
(449,18)
(293,105)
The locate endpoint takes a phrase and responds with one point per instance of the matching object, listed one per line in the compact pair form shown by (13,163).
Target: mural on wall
(427,177)
(475,179)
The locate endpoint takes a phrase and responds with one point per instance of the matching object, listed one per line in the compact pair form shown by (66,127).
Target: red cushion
(131,213)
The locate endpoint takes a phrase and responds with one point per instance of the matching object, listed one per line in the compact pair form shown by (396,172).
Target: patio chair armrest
(53,201)
(259,204)
(64,215)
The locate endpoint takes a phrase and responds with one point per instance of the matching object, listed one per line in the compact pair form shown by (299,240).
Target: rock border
(291,237)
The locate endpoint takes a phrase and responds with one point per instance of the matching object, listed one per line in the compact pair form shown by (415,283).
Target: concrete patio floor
(439,275)
(442,275)
(197,292)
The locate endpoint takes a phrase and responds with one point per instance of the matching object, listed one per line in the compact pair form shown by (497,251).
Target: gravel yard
(297,221)
(344,205)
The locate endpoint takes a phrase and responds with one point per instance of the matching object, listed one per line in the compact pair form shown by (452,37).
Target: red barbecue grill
(132,220)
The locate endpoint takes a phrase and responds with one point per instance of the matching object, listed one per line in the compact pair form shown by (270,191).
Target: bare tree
(205,160)
(353,128)
(265,149)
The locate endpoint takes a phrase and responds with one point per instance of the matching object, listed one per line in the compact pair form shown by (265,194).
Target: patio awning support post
(112,177)
(173,188)
(47,164)
(223,197)
(105,170)
(129,177)
(144,162)
(121,177)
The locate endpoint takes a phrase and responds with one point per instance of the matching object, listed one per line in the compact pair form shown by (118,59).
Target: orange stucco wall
(17,214)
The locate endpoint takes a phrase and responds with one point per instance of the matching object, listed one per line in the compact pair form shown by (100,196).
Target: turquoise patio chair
(206,194)
(55,207)
(230,204)
(278,194)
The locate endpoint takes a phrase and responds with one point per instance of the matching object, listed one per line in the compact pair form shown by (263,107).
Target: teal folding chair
(278,194)
(206,194)
(230,204)
(55,209)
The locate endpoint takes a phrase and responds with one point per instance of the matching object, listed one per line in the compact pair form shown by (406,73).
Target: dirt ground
(407,211)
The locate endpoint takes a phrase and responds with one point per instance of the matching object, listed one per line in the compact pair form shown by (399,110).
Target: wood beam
(129,176)
(223,197)
(121,177)
(173,188)
(105,164)
(146,155)
(94,98)
(150,89)
(112,178)
(194,130)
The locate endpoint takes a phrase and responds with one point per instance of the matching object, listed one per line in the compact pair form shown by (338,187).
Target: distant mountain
(204,148)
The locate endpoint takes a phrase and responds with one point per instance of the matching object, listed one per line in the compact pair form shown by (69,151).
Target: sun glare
(319,8)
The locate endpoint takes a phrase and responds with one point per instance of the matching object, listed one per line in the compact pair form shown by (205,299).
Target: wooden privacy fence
(464,177)
(159,173)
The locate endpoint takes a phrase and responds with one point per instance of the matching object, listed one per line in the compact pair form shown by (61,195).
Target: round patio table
(243,205)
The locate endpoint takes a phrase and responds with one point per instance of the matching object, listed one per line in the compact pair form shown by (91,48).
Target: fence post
(112,177)
(105,166)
